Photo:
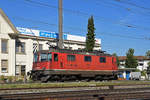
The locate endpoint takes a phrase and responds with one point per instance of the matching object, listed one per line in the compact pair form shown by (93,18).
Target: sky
(120,24)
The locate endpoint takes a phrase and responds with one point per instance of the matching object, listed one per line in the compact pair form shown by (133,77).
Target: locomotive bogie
(51,75)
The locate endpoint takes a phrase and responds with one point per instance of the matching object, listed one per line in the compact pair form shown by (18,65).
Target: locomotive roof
(95,52)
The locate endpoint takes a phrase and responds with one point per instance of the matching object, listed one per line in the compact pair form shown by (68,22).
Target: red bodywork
(78,64)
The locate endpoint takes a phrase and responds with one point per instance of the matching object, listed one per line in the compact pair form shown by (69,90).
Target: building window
(23,70)
(87,58)
(71,57)
(20,70)
(4,66)
(102,59)
(65,47)
(70,48)
(4,46)
(20,47)
(17,70)
(40,47)
(141,64)
(122,64)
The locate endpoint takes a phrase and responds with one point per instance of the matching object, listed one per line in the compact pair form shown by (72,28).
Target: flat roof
(136,57)
(95,52)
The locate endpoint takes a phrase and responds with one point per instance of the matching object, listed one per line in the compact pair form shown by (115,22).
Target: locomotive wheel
(87,80)
(73,78)
(64,78)
(98,78)
(45,78)
(55,78)
(34,77)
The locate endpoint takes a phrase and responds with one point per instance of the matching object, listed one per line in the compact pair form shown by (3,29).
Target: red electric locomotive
(62,65)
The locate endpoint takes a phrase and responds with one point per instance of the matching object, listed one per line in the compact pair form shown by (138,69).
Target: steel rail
(93,94)
(102,87)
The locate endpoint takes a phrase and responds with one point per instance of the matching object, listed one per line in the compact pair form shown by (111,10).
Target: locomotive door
(61,59)
(55,61)
(49,60)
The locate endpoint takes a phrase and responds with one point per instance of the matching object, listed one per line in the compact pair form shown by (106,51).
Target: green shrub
(10,78)
(143,73)
(2,78)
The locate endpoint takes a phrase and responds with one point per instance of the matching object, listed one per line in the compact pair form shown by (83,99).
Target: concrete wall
(140,67)
(5,29)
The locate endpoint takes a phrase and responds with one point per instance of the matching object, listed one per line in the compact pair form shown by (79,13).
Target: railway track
(79,93)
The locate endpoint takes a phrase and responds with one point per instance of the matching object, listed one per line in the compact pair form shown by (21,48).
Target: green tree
(90,37)
(148,53)
(130,60)
(118,62)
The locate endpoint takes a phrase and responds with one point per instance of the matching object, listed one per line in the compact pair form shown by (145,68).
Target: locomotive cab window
(71,58)
(43,57)
(87,58)
(49,57)
(35,57)
(55,57)
(102,59)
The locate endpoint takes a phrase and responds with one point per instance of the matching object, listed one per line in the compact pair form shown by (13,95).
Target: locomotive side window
(43,57)
(55,57)
(35,57)
(102,59)
(71,57)
(49,57)
(87,58)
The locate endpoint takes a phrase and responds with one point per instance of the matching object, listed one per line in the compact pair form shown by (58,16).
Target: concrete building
(142,62)
(18,44)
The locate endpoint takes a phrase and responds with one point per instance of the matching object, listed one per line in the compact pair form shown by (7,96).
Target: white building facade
(142,62)
(18,44)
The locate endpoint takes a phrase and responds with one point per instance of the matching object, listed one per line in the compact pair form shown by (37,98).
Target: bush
(143,73)
(10,79)
(2,79)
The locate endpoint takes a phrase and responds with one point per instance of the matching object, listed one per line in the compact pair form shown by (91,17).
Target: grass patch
(71,84)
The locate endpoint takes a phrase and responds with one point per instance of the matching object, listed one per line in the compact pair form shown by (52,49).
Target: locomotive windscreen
(42,57)
(45,57)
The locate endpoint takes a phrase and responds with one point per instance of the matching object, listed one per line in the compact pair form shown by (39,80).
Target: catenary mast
(60,40)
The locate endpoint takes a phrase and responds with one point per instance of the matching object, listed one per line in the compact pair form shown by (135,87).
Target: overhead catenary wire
(128,9)
(101,33)
(87,14)
(83,13)
(44,23)
(132,4)
(104,33)
(141,9)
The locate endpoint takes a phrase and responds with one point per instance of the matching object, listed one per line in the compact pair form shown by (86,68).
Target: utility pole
(60,40)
